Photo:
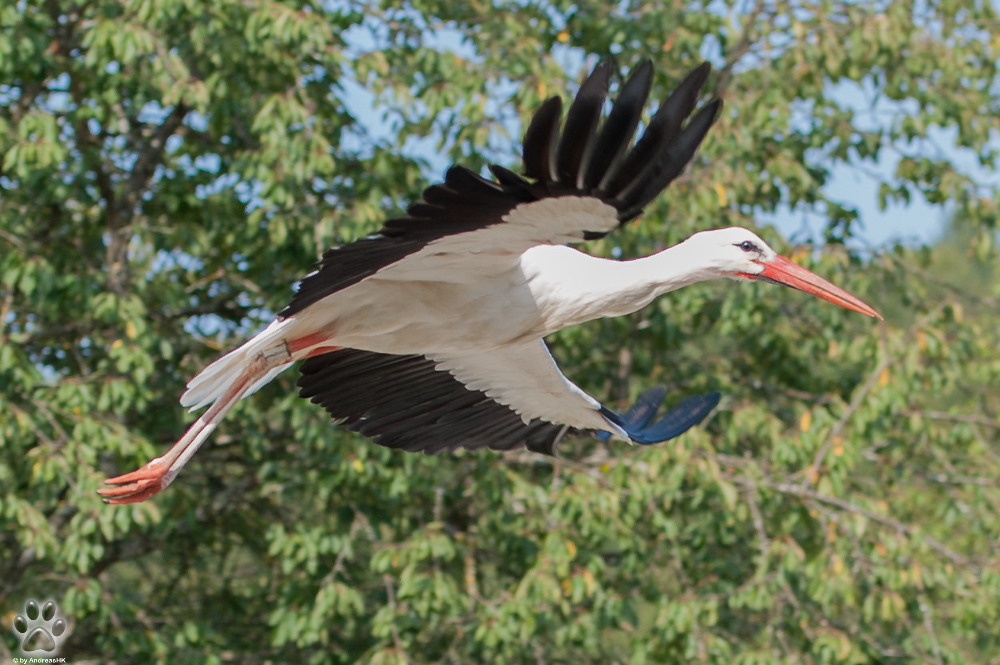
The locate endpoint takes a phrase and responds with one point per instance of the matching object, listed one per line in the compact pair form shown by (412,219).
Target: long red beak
(783,271)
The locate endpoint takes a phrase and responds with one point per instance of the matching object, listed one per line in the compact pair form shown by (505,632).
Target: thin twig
(962,480)
(365,523)
(438,503)
(758,519)
(589,466)
(338,563)
(788,488)
(860,396)
(956,417)
(957,290)
(391,594)
(929,626)
(740,49)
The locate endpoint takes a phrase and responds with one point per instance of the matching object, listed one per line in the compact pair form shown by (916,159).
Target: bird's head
(740,254)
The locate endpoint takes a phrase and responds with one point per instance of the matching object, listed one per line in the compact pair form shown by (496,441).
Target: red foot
(136,486)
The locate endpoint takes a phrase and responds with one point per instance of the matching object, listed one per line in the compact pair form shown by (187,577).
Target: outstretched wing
(579,184)
(504,399)
(467,401)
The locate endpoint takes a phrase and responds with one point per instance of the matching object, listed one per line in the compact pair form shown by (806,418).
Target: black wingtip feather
(515,185)
(540,141)
(576,145)
(613,141)
(460,178)
(672,161)
(662,131)
(506,177)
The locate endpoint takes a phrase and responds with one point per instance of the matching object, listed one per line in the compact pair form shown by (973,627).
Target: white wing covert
(525,378)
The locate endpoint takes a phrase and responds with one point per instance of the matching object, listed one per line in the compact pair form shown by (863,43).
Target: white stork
(428,335)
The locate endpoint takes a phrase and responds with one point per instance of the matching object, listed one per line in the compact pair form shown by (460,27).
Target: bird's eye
(748,246)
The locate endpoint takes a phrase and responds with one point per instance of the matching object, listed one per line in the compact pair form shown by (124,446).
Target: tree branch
(929,626)
(788,488)
(860,396)
(956,417)
(962,480)
(151,154)
(741,48)
(758,519)
(391,595)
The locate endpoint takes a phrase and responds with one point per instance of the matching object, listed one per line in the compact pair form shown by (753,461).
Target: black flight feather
(672,160)
(540,141)
(620,126)
(405,402)
(576,144)
(659,135)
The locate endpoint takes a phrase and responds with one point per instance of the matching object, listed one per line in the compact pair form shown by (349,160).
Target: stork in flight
(428,335)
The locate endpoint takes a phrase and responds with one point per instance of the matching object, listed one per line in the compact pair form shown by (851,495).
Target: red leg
(143,483)
(296,346)
(152,478)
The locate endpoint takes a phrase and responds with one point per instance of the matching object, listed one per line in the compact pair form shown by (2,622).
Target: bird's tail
(213,381)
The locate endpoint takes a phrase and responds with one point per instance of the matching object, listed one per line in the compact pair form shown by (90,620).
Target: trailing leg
(147,481)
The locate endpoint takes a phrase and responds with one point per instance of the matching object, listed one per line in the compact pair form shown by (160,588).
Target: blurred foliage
(169,168)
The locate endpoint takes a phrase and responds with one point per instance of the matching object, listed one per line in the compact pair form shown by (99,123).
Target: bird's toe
(136,485)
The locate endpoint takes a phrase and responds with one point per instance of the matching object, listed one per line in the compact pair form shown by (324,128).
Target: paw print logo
(38,628)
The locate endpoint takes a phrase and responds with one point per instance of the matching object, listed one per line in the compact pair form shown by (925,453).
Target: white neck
(638,282)
(572,287)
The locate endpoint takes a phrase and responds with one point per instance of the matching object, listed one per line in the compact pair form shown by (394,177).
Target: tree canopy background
(169,169)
